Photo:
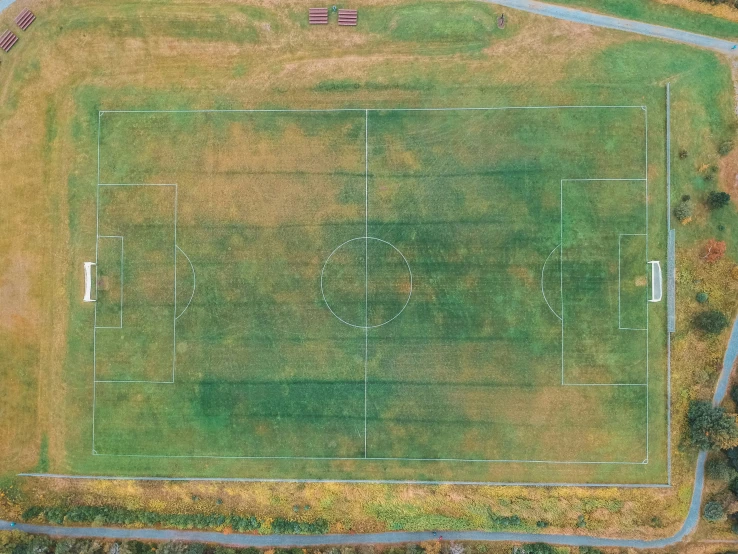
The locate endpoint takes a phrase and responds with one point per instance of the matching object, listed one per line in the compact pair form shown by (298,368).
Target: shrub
(713,250)
(541,524)
(701,297)
(717,199)
(733,485)
(108,515)
(710,427)
(581,522)
(710,321)
(713,511)
(719,470)
(725,148)
(683,211)
(683,154)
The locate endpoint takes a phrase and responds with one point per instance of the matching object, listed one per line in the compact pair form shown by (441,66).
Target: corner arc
(194,283)
(543,292)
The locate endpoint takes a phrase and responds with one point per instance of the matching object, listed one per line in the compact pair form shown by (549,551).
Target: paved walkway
(690,523)
(647,29)
(4,4)
(693,515)
(372,538)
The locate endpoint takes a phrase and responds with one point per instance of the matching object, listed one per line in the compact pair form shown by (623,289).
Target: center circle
(366,282)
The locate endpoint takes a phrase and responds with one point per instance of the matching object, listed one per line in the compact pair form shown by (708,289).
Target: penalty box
(584,234)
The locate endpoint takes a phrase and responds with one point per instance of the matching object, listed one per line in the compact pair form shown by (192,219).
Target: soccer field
(380,294)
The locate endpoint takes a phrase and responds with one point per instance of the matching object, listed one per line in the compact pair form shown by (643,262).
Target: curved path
(689,525)
(627,25)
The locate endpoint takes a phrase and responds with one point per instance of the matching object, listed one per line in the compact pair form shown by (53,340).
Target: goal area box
(403,294)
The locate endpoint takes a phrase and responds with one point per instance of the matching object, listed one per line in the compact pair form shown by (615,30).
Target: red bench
(347,17)
(318,16)
(7,40)
(24,19)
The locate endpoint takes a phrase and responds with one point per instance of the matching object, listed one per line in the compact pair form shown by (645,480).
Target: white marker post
(88,282)
(656,292)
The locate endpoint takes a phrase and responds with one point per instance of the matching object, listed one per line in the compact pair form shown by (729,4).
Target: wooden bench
(318,16)
(7,40)
(347,17)
(24,19)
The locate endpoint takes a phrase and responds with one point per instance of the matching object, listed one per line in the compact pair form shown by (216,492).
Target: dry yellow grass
(37,109)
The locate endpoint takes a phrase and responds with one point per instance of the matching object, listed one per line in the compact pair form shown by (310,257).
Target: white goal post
(656,292)
(88,282)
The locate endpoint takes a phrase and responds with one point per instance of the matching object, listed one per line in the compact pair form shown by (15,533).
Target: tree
(717,199)
(713,250)
(719,470)
(683,211)
(710,427)
(713,511)
(710,321)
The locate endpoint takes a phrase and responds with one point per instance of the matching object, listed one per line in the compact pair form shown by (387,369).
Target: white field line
(648,389)
(473,460)
(561,271)
(620,323)
(543,269)
(366,327)
(366,272)
(174,312)
(136,185)
(339,318)
(194,282)
(561,238)
(134,381)
(121,282)
(94,324)
(668,334)
(606,384)
(174,361)
(335,110)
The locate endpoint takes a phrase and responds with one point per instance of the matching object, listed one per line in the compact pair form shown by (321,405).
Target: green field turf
(369,294)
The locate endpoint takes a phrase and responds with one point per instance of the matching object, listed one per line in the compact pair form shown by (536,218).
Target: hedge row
(106,515)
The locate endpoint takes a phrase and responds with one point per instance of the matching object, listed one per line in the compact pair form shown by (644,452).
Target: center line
(366,266)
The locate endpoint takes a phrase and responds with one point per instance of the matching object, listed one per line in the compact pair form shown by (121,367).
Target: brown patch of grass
(18,307)
(728,174)
(561,41)
(722,11)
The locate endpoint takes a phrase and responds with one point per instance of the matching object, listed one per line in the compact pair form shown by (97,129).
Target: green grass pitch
(369,294)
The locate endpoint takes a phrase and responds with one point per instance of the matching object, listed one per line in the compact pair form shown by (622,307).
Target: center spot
(366,282)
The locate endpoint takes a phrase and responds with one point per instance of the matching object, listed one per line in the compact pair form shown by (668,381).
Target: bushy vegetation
(710,427)
(713,250)
(716,200)
(107,515)
(683,211)
(713,511)
(719,470)
(711,321)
